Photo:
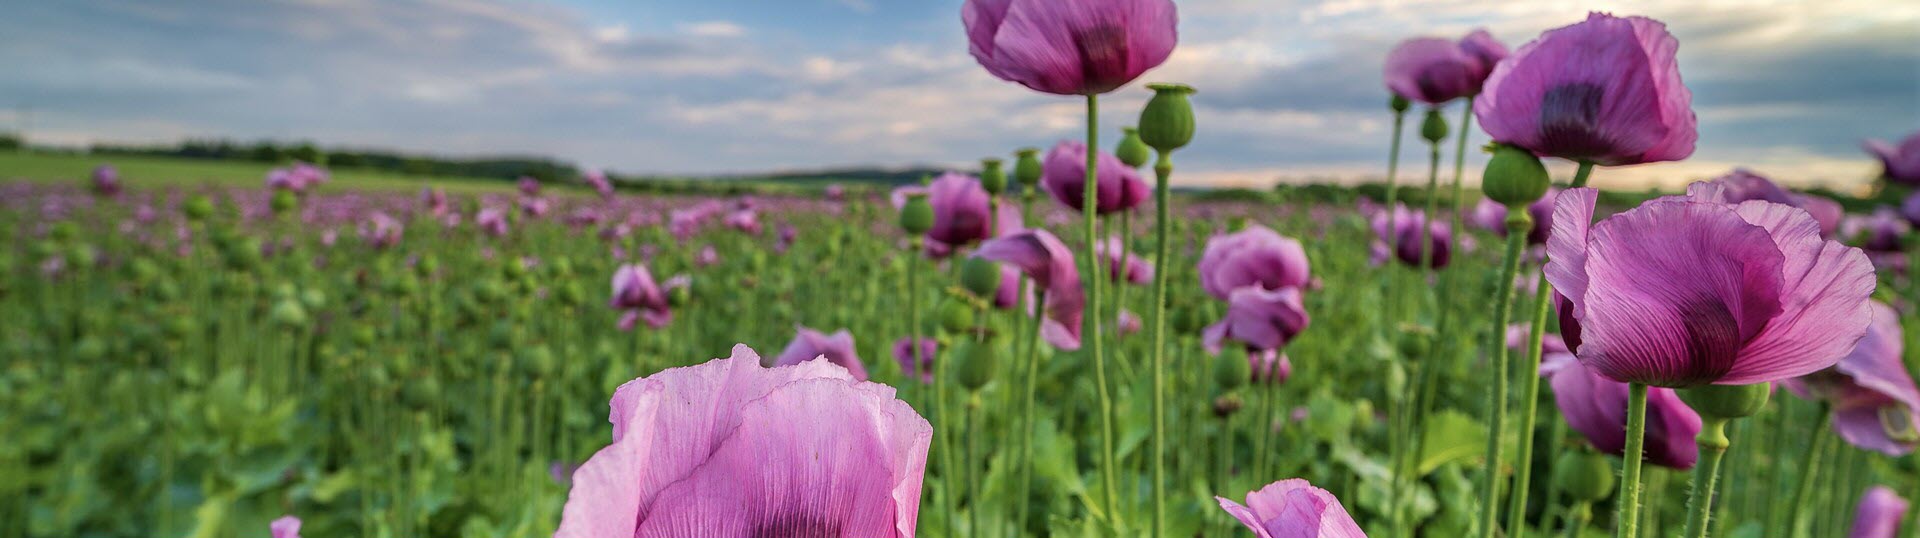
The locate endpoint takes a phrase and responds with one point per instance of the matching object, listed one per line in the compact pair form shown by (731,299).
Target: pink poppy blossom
(1122,265)
(1873,399)
(635,292)
(1406,233)
(1254,256)
(903,352)
(1070,47)
(1901,163)
(1606,90)
(1596,407)
(1065,178)
(1262,319)
(1048,262)
(285,527)
(809,344)
(1293,508)
(1433,70)
(1879,515)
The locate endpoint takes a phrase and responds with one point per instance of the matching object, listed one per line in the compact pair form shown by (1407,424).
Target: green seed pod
(1584,475)
(427,266)
(64,231)
(977,363)
(1166,123)
(198,208)
(1514,176)
(1226,406)
(288,314)
(980,276)
(313,298)
(364,336)
(992,178)
(82,256)
(1132,151)
(917,216)
(680,296)
(283,201)
(1231,369)
(538,360)
(1026,167)
(568,293)
(1726,401)
(1433,128)
(1399,104)
(956,317)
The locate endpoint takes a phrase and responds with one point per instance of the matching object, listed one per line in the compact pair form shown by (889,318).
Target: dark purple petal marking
(1570,119)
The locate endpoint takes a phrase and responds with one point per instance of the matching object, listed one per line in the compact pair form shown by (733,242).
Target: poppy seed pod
(1399,104)
(1726,401)
(1514,177)
(1584,476)
(283,201)
(1434,128)
(1231,369)
(1027,168)
(1166,123)
(980,276)
(956,317)
(1131,150)
(992,178)
(917,216)
(198,208)
(978,360)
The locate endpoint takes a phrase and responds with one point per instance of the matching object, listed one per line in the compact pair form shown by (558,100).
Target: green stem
(1433,206)
(1810,473)
(1713,445)
(1391,314)
(1089,209)
(1629,518)
(1529,408)
(1517,226)
(1032,380)
(1577,518)
(1162,171)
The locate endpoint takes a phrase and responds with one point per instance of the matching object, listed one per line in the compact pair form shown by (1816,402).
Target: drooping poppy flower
(106,181)
(1742,184)
(1596,407)
(1254,256)
(598,181)
(784,238)
(1605,90)
(1873,399)
(728,448)
(1262,319)
(809,344)
(285,527)
(960,210)
(1901,164)
(1065,178)
(1122,265)
(1879,515)
(903,352)
(1293,508)
(1070,47)
(1680,292)
(635,292)
(1406,233)
(1048,262)
(1433,70)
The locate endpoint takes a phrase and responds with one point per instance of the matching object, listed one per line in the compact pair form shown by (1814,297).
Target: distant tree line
(506,168)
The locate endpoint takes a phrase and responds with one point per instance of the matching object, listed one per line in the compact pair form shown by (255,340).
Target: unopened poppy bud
(992,177)
(1585,476)
(978,361)
(917,216)
(1166,123)
(283,201)
(288,314)
(1131,150)
(1514,176)
(538,360)
(1231,369)
(680,296)
(1434,127)
(198,208)
(1726,401)
(1399,104)
(1026,167)
(956,317)
(980,276)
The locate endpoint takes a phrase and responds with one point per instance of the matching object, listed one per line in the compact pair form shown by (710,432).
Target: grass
(146,171)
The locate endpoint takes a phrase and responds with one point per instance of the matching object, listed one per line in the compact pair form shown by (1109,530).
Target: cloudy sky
(1290,89)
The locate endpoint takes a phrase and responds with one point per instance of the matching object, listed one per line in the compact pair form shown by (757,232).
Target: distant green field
(175,171)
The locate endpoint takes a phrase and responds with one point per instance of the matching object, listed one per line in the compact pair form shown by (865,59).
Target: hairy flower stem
(1089,209)
(1517,225)
(1810,473)
(1032,377)
(1529,409)
(1162,172)
(1433,206)
(1629,518)
(1713,445)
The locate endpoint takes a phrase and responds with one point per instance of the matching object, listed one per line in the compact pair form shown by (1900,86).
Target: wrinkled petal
(1605,90)
(1255,255)
(809,344)
(1070,47)
(1293,508)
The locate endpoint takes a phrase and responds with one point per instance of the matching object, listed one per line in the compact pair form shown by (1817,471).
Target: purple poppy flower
(1070,47)
(903,352)
(1406,233)
(1050,264)
(729,448)
(1875,405)
(1902,162)
(1910,209)
(529,187)
(1263,319)
(1879,515)
(1606,90)
(1596,407)
(707,256)
(1682,292)
(285,527)
(535,207)
(1491,216)
(746,221)
(1293,508)
(1270,367)
(598,181)
(435,200)
(1065,178)
(1488,215)
(784,238)
(106,181)
(835,192)
(1254,256)
(635,292)
(1879,231)
(492,220)
(960,210)
(1121,264)
(1432,70)
(809,344)
(381,231)
(1742,184)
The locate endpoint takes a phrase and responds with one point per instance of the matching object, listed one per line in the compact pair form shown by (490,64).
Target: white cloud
(713,29)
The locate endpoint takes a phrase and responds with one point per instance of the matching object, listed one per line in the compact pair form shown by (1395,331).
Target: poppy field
(1051,343)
